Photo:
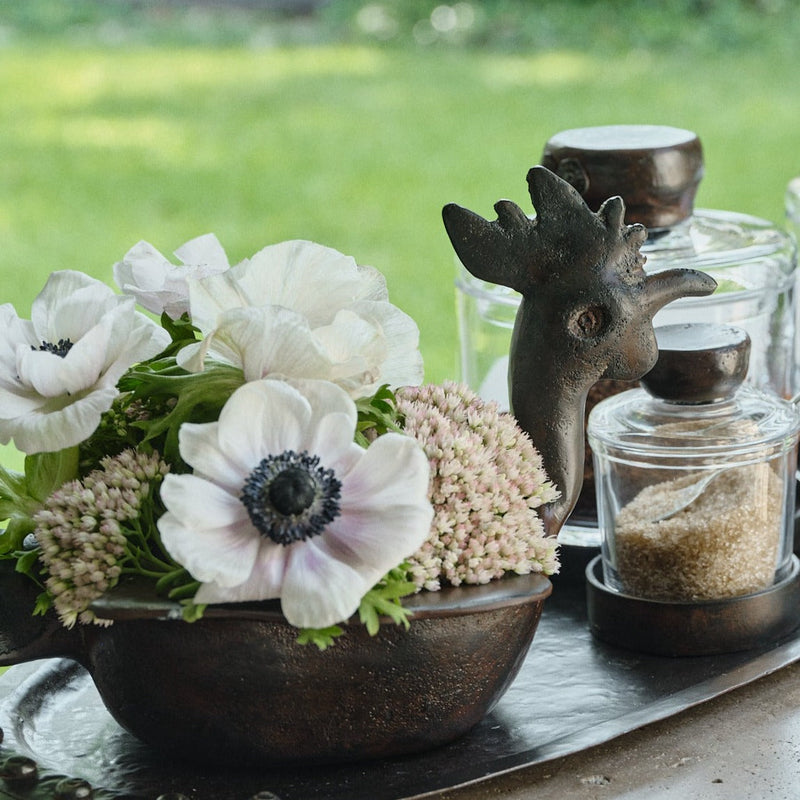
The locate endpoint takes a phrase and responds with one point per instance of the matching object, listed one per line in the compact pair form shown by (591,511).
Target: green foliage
(384,600)
(146,555)
(46,472)
(181,331)
(178,396)
(605,25)
(376,415)
(192,611)
(17,506)
(517,25)
(323,638)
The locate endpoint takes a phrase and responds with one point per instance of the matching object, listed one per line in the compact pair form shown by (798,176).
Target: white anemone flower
(283,504)
(272,341)
(58,370)
(161,286)
(366,340)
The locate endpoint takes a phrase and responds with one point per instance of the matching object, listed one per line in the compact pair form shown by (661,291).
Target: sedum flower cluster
(249,445)
(487,480)
(81,530)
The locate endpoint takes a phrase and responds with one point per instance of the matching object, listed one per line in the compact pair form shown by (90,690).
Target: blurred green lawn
(357,146)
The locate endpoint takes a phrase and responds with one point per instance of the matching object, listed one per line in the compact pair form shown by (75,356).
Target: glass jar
(792,202)
(656,170)
(695,474)
(793,207)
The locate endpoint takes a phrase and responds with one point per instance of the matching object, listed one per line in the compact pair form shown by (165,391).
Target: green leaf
(27,564)
(46,472)
(377,414)
(21,496)
(11,539)
(384,600)
(13,491)
(192,611)
(184,396)
(44,603)
(368,615)
(15,500)
(323,638)
(181,331)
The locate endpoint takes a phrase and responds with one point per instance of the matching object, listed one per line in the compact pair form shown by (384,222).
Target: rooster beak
(672,284)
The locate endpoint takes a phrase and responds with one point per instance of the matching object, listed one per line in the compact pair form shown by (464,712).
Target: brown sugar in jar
(668,533)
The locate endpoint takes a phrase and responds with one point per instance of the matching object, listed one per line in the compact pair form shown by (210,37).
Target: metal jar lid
(654,168)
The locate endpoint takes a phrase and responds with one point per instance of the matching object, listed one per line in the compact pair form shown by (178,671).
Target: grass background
(353,126)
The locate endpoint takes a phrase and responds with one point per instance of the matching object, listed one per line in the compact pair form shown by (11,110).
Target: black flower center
(290,497)
(61,349)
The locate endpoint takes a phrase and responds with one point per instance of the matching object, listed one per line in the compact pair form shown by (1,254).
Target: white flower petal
(262,418)
(15,331)
(356,349)
(393,469)
(199,502)
(159,285)
(69,305)
(40,372)
(359,339)
(87,359)
(143,267)
(199,447)
(269,340)
(318,590)
(203,252)
(210,296)
(192,357)
(134,338)
(53,426)
(205,531)
(386,514)
(15,401)
(332,440)
(403,364)
(264,582)
(329,432)
(310,278)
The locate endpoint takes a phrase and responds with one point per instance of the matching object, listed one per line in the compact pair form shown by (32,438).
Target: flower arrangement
(252,438)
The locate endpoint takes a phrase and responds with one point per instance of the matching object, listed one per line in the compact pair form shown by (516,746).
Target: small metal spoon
(686,496)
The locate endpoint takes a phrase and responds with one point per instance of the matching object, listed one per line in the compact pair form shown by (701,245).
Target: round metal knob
(698,363)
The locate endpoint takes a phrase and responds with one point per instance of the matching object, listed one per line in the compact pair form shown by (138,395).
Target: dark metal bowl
(235,687)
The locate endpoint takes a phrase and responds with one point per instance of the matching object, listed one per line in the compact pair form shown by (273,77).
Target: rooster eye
(587,323)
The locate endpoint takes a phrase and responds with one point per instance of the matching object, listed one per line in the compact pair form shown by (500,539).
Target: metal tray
(572,693)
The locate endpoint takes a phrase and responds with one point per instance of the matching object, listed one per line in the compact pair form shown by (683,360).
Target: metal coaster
(693,629)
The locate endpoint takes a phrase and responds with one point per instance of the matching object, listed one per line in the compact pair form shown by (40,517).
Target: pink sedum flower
(487,482)
(283,504)
(80,531)
(161,286)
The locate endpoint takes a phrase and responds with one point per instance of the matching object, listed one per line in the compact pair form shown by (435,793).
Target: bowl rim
(136,600)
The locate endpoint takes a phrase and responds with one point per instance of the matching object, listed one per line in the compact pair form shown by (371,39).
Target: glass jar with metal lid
(695,474)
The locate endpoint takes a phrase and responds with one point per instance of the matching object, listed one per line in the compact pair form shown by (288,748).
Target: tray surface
(573,692)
